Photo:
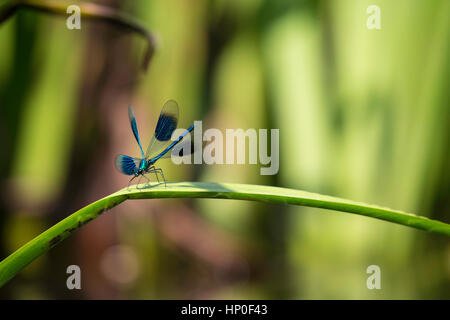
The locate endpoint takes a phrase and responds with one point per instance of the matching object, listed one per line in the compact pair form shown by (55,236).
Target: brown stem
(90,11)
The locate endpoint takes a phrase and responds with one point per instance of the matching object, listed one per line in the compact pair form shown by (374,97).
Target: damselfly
(166,125)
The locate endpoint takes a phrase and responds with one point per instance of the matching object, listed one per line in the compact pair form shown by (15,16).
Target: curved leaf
(14,263)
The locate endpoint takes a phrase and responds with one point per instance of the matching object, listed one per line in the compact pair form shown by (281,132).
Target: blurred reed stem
(89,11)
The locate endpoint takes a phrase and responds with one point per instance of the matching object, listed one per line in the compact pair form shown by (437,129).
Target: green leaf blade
(18,260)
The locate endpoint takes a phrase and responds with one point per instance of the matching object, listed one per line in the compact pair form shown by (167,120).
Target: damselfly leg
(148,181)
(129,182)
(156,171)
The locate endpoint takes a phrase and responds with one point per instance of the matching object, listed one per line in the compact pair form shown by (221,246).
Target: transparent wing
(134,128)
(169,148)
(127,165)
(166,125)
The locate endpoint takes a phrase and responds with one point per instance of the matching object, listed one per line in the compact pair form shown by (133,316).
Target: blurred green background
(363,114)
